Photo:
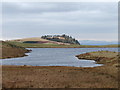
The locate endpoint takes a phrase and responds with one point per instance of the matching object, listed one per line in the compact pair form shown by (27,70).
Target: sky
(81,20)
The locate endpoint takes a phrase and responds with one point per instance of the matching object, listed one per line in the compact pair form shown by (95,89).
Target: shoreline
(71,47)
(24,51)
(101,57)
(27,76)
(9,50)
(17,56)
(30,45)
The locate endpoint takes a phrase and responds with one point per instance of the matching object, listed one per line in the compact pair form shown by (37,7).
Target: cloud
(35,7)
(50,18)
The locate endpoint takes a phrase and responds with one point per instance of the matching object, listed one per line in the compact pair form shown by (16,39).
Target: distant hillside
(38,40)
(93,42)
(61,38)
(30,39)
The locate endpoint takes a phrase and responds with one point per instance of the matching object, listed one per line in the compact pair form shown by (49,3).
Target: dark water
(55,57)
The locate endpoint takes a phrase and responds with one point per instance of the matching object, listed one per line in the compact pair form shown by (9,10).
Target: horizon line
(5,39)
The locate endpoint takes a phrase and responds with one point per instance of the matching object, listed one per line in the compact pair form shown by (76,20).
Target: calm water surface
(55,57)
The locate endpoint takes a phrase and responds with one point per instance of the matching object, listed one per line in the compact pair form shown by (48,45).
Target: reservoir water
(55,57)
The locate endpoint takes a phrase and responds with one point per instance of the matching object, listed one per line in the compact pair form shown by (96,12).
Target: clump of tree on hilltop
(61,38)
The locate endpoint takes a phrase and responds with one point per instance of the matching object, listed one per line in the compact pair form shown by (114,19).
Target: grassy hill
(61,38)
(9,50)
(52,45)
(30,39)
(37,42)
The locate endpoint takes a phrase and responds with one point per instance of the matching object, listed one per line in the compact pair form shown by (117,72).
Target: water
(55,57)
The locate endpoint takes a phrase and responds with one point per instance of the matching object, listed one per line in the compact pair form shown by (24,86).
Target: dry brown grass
(11,51)
(38,39)
(104,57)
(59,77)
(30,39)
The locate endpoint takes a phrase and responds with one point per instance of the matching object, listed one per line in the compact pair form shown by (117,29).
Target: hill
(10,50)
(61,38)
(38,40)
(30,39)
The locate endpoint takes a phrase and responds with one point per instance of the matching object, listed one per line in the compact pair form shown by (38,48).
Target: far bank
(50,45)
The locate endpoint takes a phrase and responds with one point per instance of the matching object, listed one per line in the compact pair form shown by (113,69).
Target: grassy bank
(50,45)
(101,57)
(9,50)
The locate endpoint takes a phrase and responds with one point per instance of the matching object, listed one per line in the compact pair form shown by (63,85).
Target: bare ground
(59,77)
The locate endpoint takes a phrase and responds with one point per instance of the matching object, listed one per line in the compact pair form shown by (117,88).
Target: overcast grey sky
(82,20)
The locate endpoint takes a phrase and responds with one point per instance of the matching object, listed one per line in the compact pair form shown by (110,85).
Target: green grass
(49,45)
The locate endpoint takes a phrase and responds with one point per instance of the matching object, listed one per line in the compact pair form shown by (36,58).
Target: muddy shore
(105,76)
